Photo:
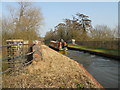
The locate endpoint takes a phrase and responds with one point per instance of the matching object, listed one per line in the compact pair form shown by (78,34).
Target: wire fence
(15,63)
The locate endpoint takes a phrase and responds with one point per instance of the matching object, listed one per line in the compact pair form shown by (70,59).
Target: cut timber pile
(54,71)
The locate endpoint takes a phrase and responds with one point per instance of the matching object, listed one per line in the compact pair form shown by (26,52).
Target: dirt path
(54,71)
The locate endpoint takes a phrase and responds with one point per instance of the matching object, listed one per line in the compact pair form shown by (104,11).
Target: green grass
(80,85)
(102,50)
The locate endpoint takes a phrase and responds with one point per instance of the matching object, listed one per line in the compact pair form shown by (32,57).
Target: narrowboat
(61,46)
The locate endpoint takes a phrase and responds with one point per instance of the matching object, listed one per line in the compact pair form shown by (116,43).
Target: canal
(104,70)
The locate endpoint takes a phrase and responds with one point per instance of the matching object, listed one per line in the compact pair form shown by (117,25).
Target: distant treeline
(81,29)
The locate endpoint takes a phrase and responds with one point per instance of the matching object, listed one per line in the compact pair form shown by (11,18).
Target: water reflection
(63,52)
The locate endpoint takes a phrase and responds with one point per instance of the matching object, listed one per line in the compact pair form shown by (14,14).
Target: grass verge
(102,50)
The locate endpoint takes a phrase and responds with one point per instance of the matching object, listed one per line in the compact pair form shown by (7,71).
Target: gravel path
(53,71)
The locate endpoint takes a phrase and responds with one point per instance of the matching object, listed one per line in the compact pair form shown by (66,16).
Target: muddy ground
(53,71)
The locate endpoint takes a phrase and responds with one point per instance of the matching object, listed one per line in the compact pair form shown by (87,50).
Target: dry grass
(54,71)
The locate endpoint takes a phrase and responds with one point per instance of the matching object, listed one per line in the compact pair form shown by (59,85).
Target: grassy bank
(54,71)
(102,50)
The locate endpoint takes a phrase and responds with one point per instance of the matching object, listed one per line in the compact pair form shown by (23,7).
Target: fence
(100,44)
(13,63)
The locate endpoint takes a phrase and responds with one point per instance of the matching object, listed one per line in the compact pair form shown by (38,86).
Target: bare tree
(24,22)
(103,32)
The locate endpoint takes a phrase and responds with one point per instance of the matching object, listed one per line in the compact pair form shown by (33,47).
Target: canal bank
(103,69)
(53,71)
(94,52)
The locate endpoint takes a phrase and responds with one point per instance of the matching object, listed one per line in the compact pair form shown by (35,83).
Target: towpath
(53,71)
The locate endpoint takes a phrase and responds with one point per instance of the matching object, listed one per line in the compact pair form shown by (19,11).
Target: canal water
(104,70)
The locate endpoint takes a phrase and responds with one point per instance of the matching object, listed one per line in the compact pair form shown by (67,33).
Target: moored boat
(61,46)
